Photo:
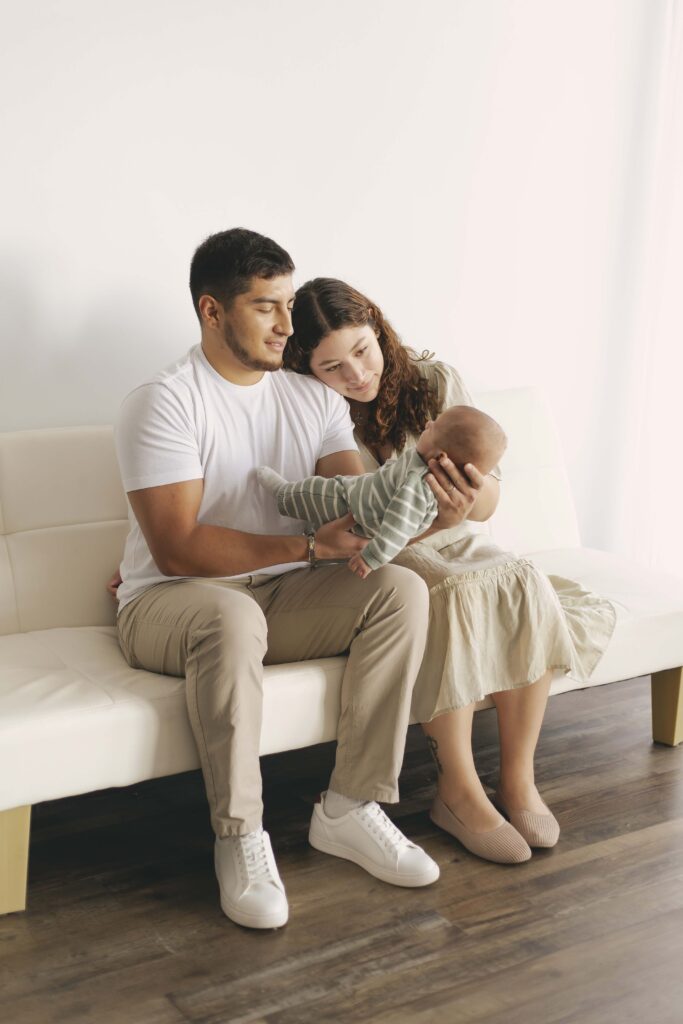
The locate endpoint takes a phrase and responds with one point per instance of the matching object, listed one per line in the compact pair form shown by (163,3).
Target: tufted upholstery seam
(63,526)
(14,586)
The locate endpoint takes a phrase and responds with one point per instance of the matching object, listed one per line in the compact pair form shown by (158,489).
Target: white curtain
(648,513)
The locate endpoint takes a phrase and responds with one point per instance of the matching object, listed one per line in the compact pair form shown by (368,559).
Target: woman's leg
(450,740)
(520,717)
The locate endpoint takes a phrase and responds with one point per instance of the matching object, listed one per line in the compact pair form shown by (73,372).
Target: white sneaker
(252,893)
(368,838)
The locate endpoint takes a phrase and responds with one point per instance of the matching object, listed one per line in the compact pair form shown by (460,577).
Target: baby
(395,503)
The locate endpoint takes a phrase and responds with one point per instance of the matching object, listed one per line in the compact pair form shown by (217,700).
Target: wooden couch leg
(15,825)
(667,706)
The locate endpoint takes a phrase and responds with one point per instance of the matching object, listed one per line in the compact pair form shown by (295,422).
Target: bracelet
(311,549)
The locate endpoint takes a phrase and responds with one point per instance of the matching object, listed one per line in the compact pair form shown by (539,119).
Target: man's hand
(358,565)
(455,491)
(114,583)
(334,541)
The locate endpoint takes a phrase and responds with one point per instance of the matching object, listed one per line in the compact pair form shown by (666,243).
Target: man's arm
(181,546)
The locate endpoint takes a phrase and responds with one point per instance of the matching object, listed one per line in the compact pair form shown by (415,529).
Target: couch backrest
(63,514)
(536,510)
(63,518)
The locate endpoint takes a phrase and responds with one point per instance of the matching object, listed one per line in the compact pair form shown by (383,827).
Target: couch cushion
(59,477)
(648,635)
(9,620)
(64,516)
(70,695)
(60,574)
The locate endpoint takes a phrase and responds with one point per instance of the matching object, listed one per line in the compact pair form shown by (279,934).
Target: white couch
(75,718)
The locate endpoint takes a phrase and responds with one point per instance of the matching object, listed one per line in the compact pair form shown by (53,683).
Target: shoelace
(383,827)
(255,857)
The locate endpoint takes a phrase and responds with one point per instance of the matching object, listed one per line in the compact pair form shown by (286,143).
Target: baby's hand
(357,565)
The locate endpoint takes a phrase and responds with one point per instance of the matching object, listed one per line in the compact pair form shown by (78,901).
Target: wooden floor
(124,927)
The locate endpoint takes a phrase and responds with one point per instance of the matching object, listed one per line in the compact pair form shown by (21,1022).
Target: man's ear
(210,310)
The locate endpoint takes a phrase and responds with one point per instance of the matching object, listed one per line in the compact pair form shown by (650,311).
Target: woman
(498,626)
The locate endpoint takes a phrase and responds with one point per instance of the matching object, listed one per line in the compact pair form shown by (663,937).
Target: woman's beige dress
(496,621)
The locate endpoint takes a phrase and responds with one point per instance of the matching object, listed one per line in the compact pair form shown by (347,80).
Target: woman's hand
(455,491)
(114,583)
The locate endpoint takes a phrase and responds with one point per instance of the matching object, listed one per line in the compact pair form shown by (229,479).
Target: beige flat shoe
(539,830)
(503,844)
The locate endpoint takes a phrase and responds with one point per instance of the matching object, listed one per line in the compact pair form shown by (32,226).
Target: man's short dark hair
(224,264)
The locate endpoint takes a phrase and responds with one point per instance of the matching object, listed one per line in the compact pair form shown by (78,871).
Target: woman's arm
(452,391)
(474,497)
(340,464)
(461,496)
(486,501)
(456,493)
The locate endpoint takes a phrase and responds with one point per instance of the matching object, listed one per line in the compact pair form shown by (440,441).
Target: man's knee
(235,622)
(404,589)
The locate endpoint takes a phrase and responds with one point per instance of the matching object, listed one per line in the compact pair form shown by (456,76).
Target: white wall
(478,167)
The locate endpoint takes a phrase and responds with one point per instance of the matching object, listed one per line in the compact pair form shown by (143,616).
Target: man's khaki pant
(219,635)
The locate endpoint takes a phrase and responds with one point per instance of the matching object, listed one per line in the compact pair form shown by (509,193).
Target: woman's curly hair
(405,401)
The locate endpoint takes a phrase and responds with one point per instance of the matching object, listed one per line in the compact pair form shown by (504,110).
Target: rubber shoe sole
(276,919)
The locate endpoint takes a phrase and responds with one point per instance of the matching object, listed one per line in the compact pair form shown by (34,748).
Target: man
(215,582)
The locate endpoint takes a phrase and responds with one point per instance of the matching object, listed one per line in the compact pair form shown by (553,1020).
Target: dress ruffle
(500,626)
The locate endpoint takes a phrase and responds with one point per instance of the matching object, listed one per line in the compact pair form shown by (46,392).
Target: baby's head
(466,435)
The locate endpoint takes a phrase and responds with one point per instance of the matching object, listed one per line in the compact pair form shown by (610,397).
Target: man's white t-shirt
(188,423)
